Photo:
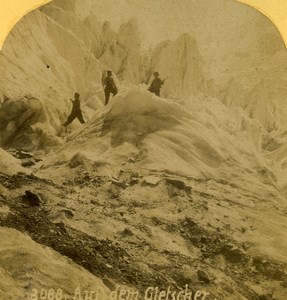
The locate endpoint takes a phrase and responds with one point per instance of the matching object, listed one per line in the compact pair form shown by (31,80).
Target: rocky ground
(146,229)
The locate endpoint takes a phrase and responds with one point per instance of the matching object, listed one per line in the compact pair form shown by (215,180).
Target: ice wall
(44,60)
(180,63)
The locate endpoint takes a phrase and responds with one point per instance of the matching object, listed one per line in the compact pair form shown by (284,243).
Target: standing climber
(156,84)
(76,111)
(110,87)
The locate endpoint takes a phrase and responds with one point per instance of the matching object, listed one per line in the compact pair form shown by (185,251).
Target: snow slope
(208,136)
(207,141)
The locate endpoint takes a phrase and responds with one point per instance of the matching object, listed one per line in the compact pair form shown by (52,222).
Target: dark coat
(156,86)
(110,84)
(76,105)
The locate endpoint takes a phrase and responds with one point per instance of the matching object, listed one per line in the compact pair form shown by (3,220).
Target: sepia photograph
(143,151)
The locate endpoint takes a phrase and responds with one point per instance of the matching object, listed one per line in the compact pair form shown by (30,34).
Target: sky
(176,12)
(275,10)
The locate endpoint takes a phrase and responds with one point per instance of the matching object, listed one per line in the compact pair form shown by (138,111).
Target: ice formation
(206,126)
(220,121)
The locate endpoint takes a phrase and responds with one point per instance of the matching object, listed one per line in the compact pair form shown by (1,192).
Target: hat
(156,73)
(77,94)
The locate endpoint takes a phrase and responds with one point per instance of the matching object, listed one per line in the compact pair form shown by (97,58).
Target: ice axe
(158,84)
(162,81)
